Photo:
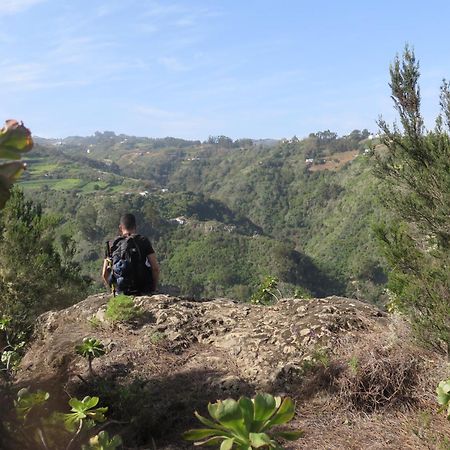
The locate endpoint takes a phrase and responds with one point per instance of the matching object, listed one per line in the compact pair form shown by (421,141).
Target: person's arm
(105,272)
(155,269)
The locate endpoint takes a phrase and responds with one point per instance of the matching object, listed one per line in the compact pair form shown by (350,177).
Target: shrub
(122,309)
(267,292)
(375,378)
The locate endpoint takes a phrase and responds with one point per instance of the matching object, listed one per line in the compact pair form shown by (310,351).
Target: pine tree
(415,169)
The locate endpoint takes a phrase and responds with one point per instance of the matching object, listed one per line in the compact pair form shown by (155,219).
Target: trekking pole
(108,257)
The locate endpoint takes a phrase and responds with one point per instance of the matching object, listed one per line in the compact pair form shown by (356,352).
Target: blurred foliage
(36,425)
(15,140)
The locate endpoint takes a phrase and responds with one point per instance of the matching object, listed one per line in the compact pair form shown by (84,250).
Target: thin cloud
(173,64)
(17,6)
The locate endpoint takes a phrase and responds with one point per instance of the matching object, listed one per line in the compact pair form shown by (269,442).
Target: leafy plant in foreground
(15,140)
(11,352)
(90,349)
(27,401)
(245,424)
(84,411)
(37,427)
(102,441)
(267,292)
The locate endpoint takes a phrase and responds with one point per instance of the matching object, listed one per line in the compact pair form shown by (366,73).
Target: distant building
(179,220)
(309,160)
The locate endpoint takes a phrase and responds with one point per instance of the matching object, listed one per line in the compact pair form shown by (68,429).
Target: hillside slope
(318,222)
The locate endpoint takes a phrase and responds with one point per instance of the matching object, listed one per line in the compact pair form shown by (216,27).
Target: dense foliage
(222,216)
(35,275)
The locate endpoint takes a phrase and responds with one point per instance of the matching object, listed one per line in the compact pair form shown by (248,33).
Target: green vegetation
(416,187)
(121,308)
(223,216)
(246,424)
(267,293)
(35,426)
(35,275)
(443,396)
(13,341)
(90,349)
(102,441)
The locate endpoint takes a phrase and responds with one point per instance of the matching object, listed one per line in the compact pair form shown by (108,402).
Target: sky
(194,68)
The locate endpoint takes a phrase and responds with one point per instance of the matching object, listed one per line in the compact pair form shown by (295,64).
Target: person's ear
(120,228)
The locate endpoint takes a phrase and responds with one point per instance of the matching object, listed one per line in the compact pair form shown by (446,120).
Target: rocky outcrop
(265,345)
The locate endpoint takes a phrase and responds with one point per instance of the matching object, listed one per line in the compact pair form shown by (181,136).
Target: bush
(379,375)
(121,308)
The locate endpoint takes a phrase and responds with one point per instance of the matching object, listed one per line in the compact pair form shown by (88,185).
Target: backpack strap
(136,246)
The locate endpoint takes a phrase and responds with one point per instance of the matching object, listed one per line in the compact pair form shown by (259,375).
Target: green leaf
(102,442)
(27,401)
(284,414)
(15,139)
(207,422)
(213,410)
(84,409)
(289,435)
(247,409)
(210,442)
(227,444)
(201,433)
(443,392)
(90,402)
(265,406)
(258,440)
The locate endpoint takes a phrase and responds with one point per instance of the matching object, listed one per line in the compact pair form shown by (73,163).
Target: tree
(415,169)
(33,276)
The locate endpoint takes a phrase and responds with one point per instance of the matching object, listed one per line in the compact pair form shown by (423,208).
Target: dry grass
(378,392)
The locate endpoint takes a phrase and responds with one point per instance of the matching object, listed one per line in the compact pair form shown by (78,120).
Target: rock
(245,342)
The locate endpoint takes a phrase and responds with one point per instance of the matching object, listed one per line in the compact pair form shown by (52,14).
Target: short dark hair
(128,221)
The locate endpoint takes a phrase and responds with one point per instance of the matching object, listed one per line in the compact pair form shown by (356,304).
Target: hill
(358,378)
(269,205)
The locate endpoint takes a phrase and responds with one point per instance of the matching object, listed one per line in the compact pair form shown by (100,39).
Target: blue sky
(195,68)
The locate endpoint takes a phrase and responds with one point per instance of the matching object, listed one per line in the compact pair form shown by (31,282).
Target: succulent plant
(90,349)
(245,424)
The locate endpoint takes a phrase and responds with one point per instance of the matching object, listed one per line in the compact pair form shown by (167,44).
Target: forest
(298,209)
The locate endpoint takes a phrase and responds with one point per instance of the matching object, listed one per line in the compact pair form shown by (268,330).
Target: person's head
(127,224)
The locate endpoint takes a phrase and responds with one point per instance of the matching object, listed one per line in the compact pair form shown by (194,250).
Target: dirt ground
(358,379)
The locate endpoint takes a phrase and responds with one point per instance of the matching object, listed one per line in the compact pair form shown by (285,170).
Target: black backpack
(130,273)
